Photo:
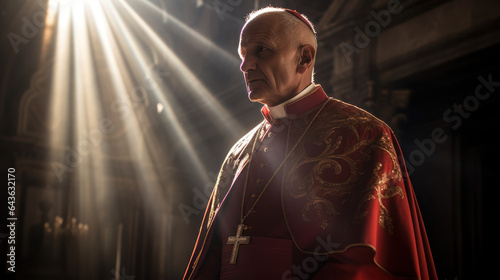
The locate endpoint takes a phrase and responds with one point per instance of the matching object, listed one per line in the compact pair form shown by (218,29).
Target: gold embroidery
(341,174)
(234,163)
(386,184)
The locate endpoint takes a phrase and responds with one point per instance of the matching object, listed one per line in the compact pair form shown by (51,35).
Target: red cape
(346,185)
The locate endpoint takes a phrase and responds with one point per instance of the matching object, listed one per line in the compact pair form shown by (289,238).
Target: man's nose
(247,63)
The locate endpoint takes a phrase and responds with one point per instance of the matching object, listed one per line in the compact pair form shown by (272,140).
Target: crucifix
(237,240)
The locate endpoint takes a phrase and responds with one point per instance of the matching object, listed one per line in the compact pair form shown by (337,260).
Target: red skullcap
(301,17)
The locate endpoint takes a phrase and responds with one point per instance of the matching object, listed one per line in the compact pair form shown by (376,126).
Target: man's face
(269,62)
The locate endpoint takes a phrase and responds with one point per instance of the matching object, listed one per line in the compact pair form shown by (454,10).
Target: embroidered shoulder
(347,161)
(234,162)
(240,145)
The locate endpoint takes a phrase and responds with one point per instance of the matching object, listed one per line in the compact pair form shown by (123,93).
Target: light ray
(60,84)
(193,35)
(218,113)
(90,197)
(119,79)
(139,58)
(91,170)
(103,51)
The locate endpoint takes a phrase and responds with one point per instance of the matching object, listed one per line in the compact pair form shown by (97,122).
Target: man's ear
(306,58)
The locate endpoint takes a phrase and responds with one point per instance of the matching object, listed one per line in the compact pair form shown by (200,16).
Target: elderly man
(317,190)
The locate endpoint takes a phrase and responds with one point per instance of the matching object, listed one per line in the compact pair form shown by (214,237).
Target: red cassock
(334,201)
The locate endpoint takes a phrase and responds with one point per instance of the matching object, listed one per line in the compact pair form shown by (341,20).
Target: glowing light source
(159,108)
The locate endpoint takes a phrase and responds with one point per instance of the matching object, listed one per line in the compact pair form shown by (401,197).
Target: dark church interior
(115,117)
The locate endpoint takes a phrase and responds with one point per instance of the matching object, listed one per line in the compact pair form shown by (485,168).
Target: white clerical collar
(278,111)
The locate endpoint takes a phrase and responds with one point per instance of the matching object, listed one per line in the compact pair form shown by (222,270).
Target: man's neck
(278,111)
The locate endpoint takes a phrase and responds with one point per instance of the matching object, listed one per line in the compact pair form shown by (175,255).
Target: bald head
(278,51)
(295,30)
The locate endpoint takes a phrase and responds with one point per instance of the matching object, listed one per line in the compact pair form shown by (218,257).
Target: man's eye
(260,49)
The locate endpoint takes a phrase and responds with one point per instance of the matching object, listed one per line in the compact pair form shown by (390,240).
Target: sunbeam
(219,114)
(193,36)
(140,63)
(115,114)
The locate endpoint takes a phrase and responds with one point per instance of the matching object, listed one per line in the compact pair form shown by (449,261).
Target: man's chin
(256,95)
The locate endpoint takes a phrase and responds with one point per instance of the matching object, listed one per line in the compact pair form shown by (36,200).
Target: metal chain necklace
(238,238)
